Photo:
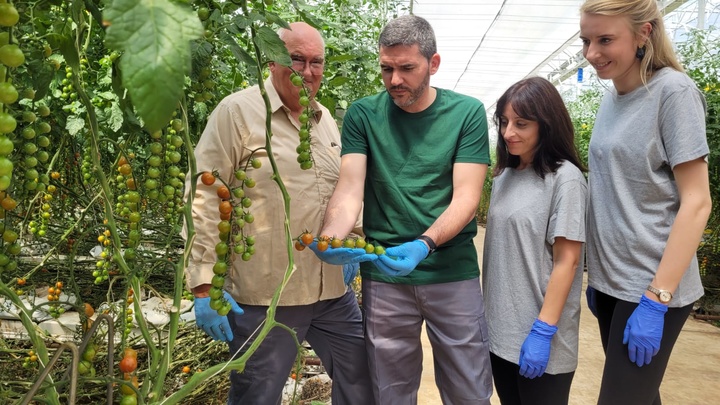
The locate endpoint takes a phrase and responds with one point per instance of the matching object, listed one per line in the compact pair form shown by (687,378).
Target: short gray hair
(409,30)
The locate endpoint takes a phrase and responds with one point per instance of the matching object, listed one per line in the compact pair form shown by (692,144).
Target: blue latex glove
(342,255)
(207,319)
(535,351)
(644,330)
(350,271)
(406,258)
(591,295)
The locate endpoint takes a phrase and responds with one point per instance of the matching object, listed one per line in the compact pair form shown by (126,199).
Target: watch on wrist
(663,295)
(431,243)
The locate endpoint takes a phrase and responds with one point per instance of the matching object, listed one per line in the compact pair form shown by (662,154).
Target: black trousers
(623,381)
(514,389)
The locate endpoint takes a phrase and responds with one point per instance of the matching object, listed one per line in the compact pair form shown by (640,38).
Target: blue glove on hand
(407,256)
(341,255)
(591,295)
(535,351)
(207,319)
(350,271)
(644,330)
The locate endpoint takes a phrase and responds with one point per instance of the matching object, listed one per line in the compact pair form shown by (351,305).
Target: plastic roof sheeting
(487,45)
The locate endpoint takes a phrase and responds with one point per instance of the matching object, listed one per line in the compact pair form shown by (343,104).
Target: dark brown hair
(536,99)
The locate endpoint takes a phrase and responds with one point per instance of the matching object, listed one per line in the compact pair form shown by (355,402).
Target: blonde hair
(659,52)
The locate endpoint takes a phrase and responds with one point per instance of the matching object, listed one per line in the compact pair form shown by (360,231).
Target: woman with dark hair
(649,195)
(533,257)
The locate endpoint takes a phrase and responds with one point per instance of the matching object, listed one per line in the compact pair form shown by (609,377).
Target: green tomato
(173,171)
(155,161)
(8,93)
(44,127)
(5,182)
(218,281)
(11,55)
(220,268)
(215,293)
(29,116)
(30,148)
(155,148)
(6,145)
(28,133)
(7,123)
(6,166)
(221,249)
(9,15)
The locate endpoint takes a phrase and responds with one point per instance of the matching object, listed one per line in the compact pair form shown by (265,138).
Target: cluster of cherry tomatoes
(303,149)
(326,242)
(55,309)
(31,360)
(234,215)
(128,312)
(129,387)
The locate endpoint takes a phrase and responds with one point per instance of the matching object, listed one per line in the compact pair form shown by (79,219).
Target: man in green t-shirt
(414,158)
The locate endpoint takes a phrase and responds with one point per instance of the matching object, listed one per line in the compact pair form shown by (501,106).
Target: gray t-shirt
(637,139)
(526,214)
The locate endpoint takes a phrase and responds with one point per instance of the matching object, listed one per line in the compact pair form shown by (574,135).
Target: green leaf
(239,53)
(155,37)
(67,48)
(341,58)
(74,125)
(115,120)
(338,81)
(276,19)
(271,46)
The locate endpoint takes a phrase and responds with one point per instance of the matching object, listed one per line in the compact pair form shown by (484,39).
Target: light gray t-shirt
(526,214)
(637,139)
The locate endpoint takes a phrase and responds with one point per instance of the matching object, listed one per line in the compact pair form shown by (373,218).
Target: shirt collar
(276,103)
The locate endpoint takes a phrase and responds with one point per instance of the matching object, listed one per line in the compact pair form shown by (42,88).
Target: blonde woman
(649,195)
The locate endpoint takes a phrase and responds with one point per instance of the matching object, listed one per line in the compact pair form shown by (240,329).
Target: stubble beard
(415,94)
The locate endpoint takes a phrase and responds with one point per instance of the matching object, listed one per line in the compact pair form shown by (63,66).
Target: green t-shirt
(409,180)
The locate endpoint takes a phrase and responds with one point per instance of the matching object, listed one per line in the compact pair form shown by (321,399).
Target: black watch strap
(431,243)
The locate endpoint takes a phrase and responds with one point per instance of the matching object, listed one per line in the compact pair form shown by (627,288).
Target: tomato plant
(97,131)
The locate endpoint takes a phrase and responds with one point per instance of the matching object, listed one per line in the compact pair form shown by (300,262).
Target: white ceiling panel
(485,46)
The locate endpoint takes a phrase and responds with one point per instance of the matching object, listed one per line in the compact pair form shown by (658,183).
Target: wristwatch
(663,295)
(431,243)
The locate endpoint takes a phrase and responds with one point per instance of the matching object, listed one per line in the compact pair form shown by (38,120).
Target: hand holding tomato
(401,260)
(207,319)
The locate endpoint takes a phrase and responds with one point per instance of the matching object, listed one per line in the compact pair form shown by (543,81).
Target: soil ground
(692,377)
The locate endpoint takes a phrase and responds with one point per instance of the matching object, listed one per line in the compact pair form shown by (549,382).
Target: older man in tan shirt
(316,303)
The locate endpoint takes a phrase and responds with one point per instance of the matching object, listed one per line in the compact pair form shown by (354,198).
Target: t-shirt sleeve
(567,215)
(682,126)
(353,138)
(473,146)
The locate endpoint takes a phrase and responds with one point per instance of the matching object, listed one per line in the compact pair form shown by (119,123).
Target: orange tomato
(223,192)
(128,364)
(89,310)
(225,207)
(207,179)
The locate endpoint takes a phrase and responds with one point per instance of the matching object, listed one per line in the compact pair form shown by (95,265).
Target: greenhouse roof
(487,45)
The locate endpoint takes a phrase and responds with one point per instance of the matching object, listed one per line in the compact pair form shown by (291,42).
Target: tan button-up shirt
(235,129)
